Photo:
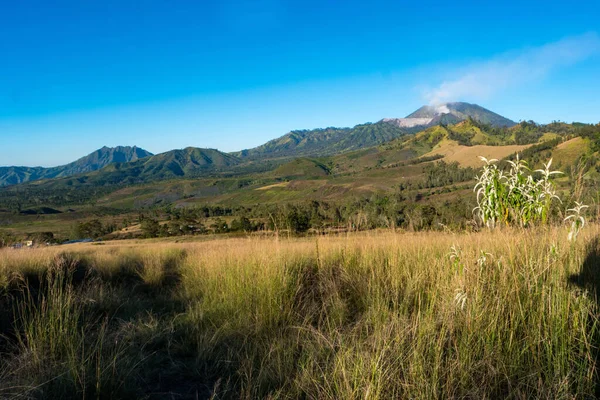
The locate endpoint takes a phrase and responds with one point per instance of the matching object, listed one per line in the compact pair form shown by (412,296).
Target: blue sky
(78,75)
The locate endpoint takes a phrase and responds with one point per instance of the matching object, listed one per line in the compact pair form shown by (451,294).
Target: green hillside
(92,162)
(425,175)
(320,142)
(188,162)
(301,167)
(461,143)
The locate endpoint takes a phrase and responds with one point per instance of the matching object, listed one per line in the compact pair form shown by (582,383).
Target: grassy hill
(302,167)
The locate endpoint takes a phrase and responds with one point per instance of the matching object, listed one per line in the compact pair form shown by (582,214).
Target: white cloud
(484,79)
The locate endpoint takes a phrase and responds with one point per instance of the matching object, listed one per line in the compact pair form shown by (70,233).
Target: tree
(219,226)
(242,224)
(150,227)
(89,229)
(298,220)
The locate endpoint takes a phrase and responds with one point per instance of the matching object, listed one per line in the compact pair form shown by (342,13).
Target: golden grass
(275,185)
(381,314)
(569,151)
(468,156)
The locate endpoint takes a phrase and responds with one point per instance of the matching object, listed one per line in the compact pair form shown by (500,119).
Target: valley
(328,179)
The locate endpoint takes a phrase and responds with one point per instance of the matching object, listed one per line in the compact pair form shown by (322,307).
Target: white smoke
(481,80)
(442,109)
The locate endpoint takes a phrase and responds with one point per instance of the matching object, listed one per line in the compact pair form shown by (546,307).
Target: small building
(29,243)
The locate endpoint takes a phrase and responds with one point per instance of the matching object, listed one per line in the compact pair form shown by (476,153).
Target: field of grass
(571,150)
(502,314)
(468,156)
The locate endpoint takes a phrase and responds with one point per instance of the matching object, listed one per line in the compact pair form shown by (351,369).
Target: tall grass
(510,313)
(56,351)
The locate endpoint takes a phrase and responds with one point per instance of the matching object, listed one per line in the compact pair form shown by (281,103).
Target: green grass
(568,152)
(380,315)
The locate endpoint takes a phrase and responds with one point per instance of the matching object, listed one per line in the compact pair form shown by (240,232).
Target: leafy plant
(514,197)
(577,220)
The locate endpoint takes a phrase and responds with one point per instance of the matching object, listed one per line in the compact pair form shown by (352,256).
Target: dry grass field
(468,156)
(378,315)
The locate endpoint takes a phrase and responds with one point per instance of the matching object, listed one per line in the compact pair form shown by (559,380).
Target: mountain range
(134,165)
(321,142)
(92,162)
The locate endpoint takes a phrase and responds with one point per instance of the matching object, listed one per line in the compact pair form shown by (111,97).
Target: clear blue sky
(77,75)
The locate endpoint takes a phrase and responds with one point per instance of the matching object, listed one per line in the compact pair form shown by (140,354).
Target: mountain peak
(109,155)
(449,113)
(92,162)
(431,111)
(462,111)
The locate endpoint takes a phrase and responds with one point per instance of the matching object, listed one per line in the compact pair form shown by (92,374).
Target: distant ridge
(129,165)
(328,141)
(188,162)
(92,162)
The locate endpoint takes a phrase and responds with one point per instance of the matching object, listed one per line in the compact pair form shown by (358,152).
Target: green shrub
(514,197)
